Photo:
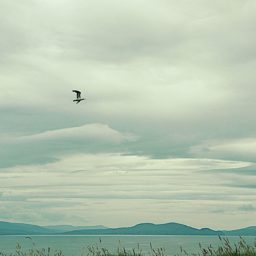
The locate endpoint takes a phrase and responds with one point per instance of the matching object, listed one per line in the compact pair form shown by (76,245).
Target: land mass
(172,228)
(66,228)
(149,229)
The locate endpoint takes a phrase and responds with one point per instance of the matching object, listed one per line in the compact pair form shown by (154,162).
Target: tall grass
(227,249)
(240,248)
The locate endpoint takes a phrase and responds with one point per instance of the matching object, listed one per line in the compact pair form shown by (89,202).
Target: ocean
(78,245)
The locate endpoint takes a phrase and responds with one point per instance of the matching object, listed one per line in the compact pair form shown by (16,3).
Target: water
(76,245)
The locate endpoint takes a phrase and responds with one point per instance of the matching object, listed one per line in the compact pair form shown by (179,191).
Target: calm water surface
(77,245)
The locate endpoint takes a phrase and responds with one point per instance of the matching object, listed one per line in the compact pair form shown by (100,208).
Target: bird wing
(78,93)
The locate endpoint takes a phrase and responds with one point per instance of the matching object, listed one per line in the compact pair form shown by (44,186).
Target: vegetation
(225,249)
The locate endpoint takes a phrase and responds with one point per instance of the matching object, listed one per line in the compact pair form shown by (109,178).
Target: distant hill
(149,229)
(66,228)
(249,231)
(7,228)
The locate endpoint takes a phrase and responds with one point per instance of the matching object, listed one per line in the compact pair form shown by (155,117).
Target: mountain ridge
(171,228)
(11,228)
(66,228)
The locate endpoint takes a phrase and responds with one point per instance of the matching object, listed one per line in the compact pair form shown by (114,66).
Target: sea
(80,244)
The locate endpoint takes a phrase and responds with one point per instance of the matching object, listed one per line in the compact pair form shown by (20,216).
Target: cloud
(245,170)
(49,145)
(162,80)
(100,132)
(247,208)
(231,149)
(117,182)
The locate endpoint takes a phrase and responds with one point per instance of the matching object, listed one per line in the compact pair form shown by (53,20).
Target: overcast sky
(167,131)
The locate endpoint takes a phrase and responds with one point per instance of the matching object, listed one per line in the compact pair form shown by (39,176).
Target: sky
(168,129)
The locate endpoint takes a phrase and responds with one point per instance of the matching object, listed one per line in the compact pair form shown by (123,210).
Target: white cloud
(49,145)
(233,149)
(96,131)
(119,182)
(161,79)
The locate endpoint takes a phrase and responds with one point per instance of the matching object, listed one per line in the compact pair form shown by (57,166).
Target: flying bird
(78,96)
(29,237)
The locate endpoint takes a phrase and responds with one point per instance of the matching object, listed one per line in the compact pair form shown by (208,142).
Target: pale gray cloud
(162,80)
(49,145)
(233,149)
(247,208)
(118,182)
(99,132)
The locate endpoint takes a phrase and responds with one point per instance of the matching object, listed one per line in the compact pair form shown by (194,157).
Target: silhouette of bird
(30,238)
(78,96)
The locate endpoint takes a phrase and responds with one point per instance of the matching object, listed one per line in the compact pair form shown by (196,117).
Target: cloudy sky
(168,128)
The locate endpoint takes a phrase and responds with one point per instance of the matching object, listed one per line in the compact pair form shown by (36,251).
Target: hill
(149,229)
(66,228)
(249,231)
(8,228)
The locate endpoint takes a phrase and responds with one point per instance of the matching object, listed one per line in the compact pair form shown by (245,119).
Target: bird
(78,96)
(29,237)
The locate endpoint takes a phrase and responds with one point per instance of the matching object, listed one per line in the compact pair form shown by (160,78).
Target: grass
(225,249)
